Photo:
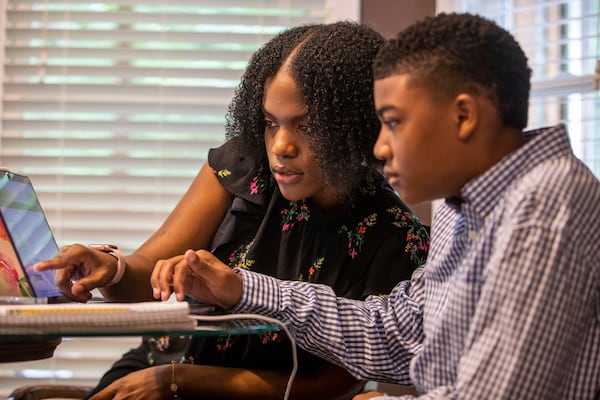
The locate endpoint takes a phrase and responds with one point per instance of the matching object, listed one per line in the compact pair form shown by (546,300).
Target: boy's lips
(392,178)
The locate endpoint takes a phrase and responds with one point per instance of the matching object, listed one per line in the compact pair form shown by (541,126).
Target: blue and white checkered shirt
(507,306)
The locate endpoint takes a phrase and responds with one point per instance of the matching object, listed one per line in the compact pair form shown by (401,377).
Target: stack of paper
(100,318)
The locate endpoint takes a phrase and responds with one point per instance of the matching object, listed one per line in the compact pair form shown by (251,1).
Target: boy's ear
(466,115)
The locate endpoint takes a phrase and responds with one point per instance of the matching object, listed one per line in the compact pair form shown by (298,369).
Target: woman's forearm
(200,381)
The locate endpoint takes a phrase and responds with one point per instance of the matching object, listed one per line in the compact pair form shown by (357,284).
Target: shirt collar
(485,191)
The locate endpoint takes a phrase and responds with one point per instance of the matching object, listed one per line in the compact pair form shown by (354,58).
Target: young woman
(295,193)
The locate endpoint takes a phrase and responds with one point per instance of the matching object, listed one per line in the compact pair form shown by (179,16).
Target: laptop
(25,239)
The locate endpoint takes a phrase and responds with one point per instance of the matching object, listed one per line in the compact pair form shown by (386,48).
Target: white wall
(342,10)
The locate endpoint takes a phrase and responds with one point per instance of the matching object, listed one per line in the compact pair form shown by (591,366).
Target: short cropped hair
(332,66)
(454,53)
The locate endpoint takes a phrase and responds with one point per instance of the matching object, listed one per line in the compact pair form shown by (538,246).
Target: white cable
(229,317)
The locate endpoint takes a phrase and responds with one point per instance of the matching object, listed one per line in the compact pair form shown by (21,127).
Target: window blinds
(562,41)
(111,106)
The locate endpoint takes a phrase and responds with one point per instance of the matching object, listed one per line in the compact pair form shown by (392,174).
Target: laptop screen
(28,230)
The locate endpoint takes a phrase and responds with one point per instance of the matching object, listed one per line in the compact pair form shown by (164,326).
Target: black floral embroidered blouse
(366,251)
(377,243)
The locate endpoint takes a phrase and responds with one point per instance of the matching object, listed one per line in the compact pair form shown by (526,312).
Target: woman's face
(290,157)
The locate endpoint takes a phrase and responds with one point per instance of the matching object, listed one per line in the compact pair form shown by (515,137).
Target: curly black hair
(332,65)
(453,53)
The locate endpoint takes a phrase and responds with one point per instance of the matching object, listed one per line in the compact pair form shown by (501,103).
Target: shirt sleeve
(373,339)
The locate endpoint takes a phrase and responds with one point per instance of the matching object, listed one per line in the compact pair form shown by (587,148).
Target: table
(30,349)
(35,344)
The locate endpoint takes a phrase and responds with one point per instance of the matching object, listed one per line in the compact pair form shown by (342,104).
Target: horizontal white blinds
(111,106)
(562,41)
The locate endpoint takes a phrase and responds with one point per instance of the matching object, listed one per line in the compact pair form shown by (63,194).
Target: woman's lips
(285,176)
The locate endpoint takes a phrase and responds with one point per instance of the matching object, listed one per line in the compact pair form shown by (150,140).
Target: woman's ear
(466,115)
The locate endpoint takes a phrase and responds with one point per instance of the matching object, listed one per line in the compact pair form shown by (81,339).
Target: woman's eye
(269,123)
(304,128)
(391,124)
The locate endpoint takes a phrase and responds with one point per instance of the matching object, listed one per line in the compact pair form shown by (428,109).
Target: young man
(508,303)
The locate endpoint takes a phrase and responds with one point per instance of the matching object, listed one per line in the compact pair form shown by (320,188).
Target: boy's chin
(409,197)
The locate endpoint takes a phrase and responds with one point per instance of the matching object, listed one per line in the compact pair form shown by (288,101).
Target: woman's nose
(283,144)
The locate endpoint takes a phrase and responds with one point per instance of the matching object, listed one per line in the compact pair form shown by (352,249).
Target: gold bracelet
(173,387)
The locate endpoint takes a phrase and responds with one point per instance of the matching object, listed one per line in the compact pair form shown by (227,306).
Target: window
(111,106)
(561,40)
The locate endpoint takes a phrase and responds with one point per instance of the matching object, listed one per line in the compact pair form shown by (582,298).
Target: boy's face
(417,140)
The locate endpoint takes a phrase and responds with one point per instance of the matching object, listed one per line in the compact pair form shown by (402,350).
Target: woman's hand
(368,395)
(79,270)
(149,384)
(199,275)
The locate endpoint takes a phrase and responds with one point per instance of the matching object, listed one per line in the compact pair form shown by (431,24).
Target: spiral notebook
(96,318)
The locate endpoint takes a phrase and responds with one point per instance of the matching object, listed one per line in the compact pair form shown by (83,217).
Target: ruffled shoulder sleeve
(240,175)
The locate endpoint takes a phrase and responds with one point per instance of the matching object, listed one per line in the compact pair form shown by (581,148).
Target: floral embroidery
(269,337)
(225,342)
(163,344)
(356,238)
(254,185)
(316,266)
(417,238)
(259,182)
(238,259)
(224,173)
(294,214)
